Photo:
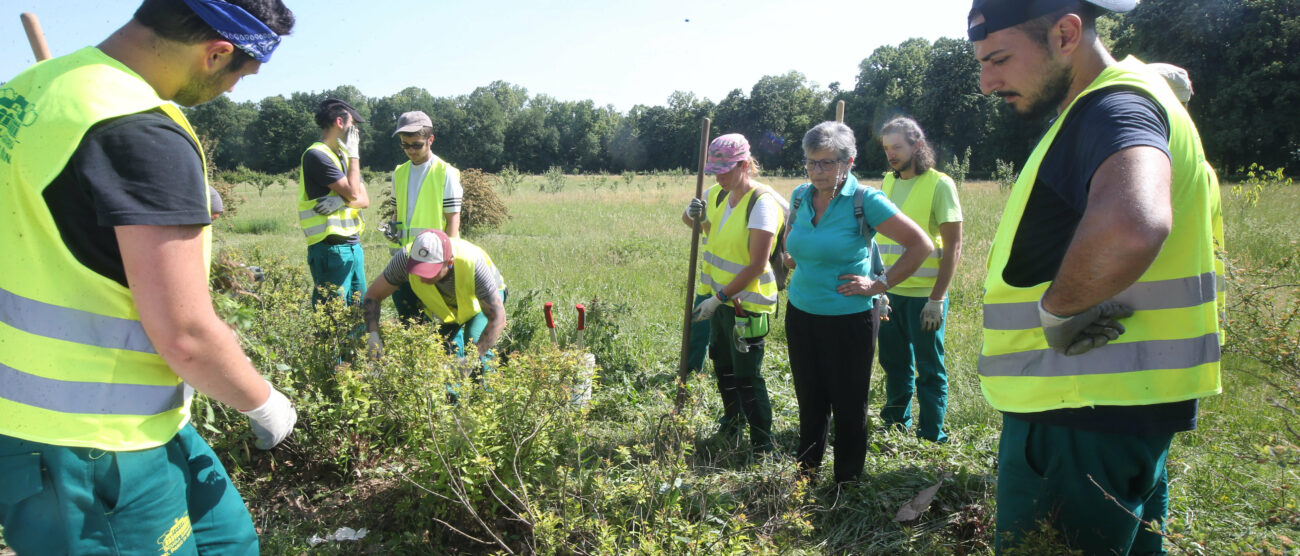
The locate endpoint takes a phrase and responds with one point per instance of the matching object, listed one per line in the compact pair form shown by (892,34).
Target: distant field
(624,244)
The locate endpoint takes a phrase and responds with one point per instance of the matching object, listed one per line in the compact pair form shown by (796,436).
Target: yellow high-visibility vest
(467,307)
(345,222)
(918,207)
(76,367)
(727,252)
(427,214)
(1170,351)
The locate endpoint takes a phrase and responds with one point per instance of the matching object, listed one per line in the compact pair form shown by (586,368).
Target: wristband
(723,297)
(883,279)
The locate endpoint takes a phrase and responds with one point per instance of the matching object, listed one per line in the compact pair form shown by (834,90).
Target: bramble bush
(482,209)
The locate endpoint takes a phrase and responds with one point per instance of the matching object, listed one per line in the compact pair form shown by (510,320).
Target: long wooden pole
(839,111)
(35,37)
(682,369)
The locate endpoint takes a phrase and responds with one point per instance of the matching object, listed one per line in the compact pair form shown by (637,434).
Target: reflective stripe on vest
(1169,351)
(427,214)
(919,206)
(344,222)
(727,251)
(76,367)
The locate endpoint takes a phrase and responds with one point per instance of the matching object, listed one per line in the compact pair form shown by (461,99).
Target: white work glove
(695,209)
(705,309)
(375,345)
(932,315)
(350,142)
(1080,333)
(328,204)
(273,421)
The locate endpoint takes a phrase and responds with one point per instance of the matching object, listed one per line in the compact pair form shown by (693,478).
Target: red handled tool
(582,325)
(550,323)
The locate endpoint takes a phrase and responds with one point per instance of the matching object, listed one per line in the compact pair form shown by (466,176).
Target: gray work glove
(695,209)
(273,421)
(392,231)
(1080,333)
(932,315)
(350,142)
(705,309)
(375,345)
(328,204)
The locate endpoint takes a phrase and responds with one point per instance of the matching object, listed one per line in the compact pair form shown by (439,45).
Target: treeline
(1243,56)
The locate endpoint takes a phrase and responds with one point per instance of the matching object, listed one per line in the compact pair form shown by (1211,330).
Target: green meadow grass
(624,245)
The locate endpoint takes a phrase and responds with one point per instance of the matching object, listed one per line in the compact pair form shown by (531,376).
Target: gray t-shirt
(487,278)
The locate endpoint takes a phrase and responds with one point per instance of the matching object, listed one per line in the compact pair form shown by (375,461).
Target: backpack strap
(858,211)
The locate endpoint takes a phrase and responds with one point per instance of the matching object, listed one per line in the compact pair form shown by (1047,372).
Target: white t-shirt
(764,217)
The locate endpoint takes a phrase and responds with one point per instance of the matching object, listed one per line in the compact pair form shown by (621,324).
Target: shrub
(554,180)
(509,179)
(957,169)
(1004,174)
(481,209)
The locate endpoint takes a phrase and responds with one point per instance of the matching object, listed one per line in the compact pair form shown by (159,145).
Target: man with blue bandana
(1100,320)
(108,325)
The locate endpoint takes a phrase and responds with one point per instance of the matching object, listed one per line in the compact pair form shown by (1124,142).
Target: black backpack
(796,199)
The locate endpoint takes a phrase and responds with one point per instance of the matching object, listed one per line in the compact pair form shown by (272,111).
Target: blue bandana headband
(238,26)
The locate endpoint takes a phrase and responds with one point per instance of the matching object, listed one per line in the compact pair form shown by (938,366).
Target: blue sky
(620,53)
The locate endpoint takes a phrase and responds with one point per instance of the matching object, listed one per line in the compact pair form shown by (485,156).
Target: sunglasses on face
(412,146)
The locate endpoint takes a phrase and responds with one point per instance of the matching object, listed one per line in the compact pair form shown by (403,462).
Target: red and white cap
(430,251)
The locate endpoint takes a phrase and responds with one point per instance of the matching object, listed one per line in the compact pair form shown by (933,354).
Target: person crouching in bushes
(831,318)
(458,285)
(740,236)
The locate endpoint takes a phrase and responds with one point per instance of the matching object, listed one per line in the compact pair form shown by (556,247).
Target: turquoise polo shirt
(833,247)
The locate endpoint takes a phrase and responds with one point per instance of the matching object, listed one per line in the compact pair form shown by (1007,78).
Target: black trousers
(830,358)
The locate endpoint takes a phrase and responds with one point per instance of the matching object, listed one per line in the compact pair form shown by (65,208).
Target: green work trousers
(173,499)
(1047,473)
(409,308)
(338,269)
(698,344)
(457,335)
(913,363)
(740,381)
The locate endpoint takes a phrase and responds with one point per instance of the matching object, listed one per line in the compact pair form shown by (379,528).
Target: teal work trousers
(339,269)
(913,363)
(1046,473)
(173,499)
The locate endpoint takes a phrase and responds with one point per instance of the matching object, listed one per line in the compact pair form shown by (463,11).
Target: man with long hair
(109,326)
(911,341)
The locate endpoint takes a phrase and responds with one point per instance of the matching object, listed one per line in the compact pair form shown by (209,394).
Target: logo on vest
(15,112)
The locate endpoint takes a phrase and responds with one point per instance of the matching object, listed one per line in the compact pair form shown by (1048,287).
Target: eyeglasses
(822,165)
(412,146)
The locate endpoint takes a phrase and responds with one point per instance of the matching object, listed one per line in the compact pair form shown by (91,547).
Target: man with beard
(911,341)
(108,321)
(1100,330)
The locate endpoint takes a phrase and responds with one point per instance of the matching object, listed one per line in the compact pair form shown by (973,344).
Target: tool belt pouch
(752,326)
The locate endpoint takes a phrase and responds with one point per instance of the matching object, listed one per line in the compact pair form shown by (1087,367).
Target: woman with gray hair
(831,318)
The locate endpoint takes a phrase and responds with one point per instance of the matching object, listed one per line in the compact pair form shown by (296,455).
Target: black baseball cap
(326,106)
(1001,14)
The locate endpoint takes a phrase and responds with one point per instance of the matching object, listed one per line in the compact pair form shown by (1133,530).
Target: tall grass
(624,478)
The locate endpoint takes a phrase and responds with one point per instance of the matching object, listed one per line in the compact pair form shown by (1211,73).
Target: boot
(758,411)
(729,426)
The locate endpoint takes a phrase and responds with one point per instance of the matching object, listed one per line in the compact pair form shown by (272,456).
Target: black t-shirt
(1103,123)
(318,172)
(140,169)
